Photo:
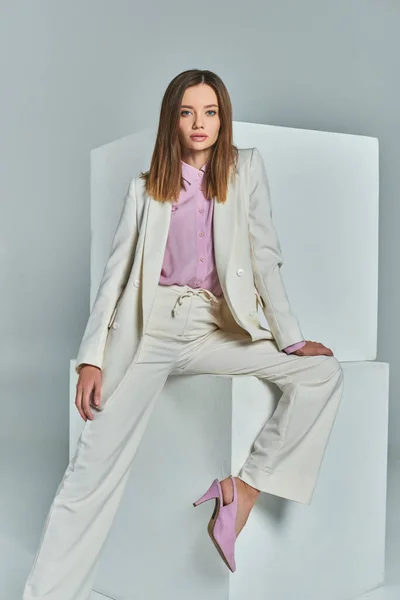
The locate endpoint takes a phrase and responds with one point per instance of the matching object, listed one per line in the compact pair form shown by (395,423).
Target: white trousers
(187,334)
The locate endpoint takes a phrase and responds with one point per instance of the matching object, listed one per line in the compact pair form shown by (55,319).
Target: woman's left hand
(313,349)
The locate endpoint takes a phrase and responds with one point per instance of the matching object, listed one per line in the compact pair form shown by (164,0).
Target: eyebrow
(207,106)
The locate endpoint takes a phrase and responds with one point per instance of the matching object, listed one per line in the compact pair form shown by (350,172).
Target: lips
(198,137)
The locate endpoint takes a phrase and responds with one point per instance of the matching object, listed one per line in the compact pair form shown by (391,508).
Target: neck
(196,158)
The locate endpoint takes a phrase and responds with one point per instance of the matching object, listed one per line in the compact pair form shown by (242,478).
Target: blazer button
(239,272)
(136,283)
(115,325)
(252,313)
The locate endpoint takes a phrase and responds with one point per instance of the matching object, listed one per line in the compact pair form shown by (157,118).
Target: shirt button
(202,259)
(201,233)
(197,282)
(201,210)
(239,272)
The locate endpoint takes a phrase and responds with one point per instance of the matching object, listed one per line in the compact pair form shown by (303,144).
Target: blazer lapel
(157,228)
(226,218)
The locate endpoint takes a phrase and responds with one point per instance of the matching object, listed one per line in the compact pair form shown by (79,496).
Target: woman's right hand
(89,381)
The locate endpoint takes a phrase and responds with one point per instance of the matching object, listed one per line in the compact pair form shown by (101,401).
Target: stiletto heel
(222,524)
(212,492)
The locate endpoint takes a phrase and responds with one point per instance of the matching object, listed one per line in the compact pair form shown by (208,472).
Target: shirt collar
(190,173)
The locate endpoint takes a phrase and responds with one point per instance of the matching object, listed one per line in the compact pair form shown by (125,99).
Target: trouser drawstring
(196,292)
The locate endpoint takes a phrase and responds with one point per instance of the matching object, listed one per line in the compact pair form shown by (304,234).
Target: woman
(194,252)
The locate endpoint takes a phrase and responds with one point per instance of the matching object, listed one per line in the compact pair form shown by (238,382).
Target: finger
(78,401)
(97,394)
(86,401)
(326,350)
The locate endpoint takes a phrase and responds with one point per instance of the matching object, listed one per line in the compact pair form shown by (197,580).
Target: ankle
(252,492)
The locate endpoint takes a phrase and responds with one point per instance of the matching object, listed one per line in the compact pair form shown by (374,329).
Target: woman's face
(199,114)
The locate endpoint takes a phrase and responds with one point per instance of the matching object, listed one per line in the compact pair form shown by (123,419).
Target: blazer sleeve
(267,258)
(113,281)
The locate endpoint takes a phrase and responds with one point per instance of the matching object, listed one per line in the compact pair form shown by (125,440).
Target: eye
(209,111)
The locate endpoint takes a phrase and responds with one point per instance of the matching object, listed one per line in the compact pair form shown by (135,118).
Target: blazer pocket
(111,321)
(259,299)
(114,312)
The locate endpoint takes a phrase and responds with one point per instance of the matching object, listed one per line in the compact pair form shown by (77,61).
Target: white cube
(202,428)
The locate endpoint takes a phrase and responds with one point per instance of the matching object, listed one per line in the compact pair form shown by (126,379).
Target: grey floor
(29,479)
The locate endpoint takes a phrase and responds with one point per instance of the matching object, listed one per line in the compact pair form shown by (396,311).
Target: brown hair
(164,179)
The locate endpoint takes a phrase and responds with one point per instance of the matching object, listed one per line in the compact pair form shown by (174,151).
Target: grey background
(79,74)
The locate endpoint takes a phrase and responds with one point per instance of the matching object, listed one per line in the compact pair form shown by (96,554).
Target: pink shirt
(189,254)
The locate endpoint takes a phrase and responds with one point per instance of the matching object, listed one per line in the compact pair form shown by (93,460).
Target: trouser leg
(89,494)
(288,451)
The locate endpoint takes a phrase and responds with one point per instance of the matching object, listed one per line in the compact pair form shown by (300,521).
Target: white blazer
(248,259)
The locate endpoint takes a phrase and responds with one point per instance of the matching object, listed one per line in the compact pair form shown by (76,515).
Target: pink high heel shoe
(222,524)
